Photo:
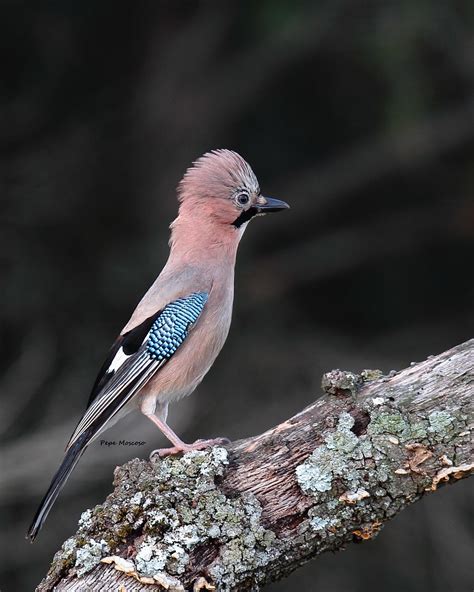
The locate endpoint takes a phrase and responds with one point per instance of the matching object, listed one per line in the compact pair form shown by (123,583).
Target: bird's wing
(135,357)
(124,346)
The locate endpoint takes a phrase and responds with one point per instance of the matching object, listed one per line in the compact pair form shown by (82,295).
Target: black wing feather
(130,343)
(139,359)
(104,375)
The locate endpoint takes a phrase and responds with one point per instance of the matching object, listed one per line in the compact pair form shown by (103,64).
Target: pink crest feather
(217,174)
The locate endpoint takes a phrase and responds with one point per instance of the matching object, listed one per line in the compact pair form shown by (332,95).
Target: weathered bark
(234,518)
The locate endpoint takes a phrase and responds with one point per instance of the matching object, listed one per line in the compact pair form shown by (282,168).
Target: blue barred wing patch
(171,328)
(135,368)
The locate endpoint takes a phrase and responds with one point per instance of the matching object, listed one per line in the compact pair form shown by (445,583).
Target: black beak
(271,205)
(264,205)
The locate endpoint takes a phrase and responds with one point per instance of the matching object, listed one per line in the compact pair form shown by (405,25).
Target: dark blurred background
(360,114)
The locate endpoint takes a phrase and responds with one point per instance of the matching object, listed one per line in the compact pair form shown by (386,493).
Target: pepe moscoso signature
(122,443)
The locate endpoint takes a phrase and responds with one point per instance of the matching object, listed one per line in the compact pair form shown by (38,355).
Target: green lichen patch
(441,422)
(392,423)
(436,428)
(356,469)
(388,420)
(330,460)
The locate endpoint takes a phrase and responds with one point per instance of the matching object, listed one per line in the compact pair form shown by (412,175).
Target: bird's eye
(243,198)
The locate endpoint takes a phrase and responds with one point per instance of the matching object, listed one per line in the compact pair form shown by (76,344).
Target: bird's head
(220,189)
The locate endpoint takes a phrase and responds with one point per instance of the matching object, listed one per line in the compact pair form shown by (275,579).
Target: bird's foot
(182,449)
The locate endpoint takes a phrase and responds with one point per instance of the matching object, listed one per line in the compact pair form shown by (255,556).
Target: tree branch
(235,518)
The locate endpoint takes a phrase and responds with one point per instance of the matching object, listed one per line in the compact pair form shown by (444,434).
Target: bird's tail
(69,462)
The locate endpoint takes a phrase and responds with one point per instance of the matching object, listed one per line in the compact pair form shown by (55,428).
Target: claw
(198,445)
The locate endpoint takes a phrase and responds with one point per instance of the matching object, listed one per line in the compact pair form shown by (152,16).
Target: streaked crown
(219,173)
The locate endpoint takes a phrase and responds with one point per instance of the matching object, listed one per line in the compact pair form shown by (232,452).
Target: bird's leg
(178,445)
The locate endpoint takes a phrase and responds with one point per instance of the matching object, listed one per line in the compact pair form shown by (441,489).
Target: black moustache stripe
(245,216)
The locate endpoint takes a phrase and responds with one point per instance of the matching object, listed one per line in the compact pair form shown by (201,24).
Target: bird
(180,325)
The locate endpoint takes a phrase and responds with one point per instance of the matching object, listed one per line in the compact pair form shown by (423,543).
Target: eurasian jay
(181,324)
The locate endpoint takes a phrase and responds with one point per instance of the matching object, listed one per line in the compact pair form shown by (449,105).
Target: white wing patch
(128,373)
(119,359)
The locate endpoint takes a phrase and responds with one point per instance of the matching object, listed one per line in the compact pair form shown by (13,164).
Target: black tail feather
(69,462)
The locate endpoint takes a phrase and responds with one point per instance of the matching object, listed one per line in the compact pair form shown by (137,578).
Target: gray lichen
(441,422)
(88,556)
(177,506)
(329,461)
(347,471)
(339,465)
(368,462)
